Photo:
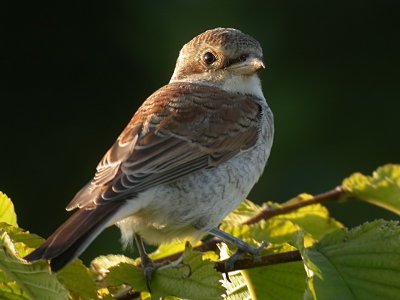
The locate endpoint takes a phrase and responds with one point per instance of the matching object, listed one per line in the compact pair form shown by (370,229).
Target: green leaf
(272,230)
(190,278)
(381,189)
(362,263)
(168,249)
(7,213)
(237,283)
(123,275)
(101,264)
(78,280)
(313,219)
(23,241)
(11,291)
(33,280)
(114,272)
(282,281)
(238,286)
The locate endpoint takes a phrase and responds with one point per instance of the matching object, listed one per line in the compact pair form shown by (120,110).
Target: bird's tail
(75,235)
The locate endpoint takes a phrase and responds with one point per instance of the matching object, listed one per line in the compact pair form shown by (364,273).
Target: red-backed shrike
(188,157)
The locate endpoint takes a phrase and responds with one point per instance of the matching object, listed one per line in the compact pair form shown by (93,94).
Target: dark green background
(74,74)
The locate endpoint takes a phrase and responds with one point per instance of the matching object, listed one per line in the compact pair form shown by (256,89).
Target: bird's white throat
(244,85)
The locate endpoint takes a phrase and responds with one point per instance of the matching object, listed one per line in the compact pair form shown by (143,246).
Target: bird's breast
(198,202)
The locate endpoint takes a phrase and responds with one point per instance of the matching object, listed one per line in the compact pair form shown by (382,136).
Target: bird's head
(217,56)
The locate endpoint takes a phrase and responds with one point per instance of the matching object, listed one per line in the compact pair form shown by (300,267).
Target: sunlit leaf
(78,280)
(33,280)
(12,291)
(192,278)
(281,281)
(23,241)
(238,286)
(381,189)
(236,283)
(168,249)
(125,274)
(114,272)
(313,219)
(273,230)
(103,263)
(7,213)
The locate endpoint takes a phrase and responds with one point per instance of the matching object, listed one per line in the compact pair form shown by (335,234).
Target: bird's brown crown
(229,39)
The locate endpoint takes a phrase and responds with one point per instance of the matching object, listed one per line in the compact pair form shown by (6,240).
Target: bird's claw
(148,271)
(256,251)
(149,267)
(240,252)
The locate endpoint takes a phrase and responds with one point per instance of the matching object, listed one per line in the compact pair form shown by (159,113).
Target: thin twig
(260,261)
(267,213)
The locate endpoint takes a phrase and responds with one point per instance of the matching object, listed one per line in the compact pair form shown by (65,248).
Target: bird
(188,157)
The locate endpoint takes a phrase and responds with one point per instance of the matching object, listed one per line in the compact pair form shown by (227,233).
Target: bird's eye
(209,58)
(243,57)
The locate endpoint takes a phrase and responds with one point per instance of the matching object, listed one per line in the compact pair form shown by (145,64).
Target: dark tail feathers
(75,235)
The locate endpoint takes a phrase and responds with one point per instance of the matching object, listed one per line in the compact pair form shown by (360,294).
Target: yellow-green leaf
(168,249)
(78,280)
(236,283)
(238,286)
(23,241)
(191,278)
(313,219)
(381,189)
(281,281)
(33,280)
(7,213)
(12,291)
(125,274)
(274,230)
(101,264)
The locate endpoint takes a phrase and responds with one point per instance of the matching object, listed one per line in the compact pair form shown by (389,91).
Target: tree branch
(267,213)
(260,261)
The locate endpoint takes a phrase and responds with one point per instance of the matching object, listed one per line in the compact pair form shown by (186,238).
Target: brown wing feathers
(177,131)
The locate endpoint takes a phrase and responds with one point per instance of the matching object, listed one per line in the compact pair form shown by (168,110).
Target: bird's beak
(247,67)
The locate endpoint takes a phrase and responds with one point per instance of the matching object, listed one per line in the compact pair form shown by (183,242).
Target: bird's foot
(149,267)
(241,246)
(240,252)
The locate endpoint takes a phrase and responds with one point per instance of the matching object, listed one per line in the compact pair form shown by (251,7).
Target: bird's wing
(180,129)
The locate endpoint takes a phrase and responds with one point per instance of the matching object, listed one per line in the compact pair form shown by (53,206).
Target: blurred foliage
(77,71)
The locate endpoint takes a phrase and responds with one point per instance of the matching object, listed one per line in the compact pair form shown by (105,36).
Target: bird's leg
(147,264)
(242,247)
